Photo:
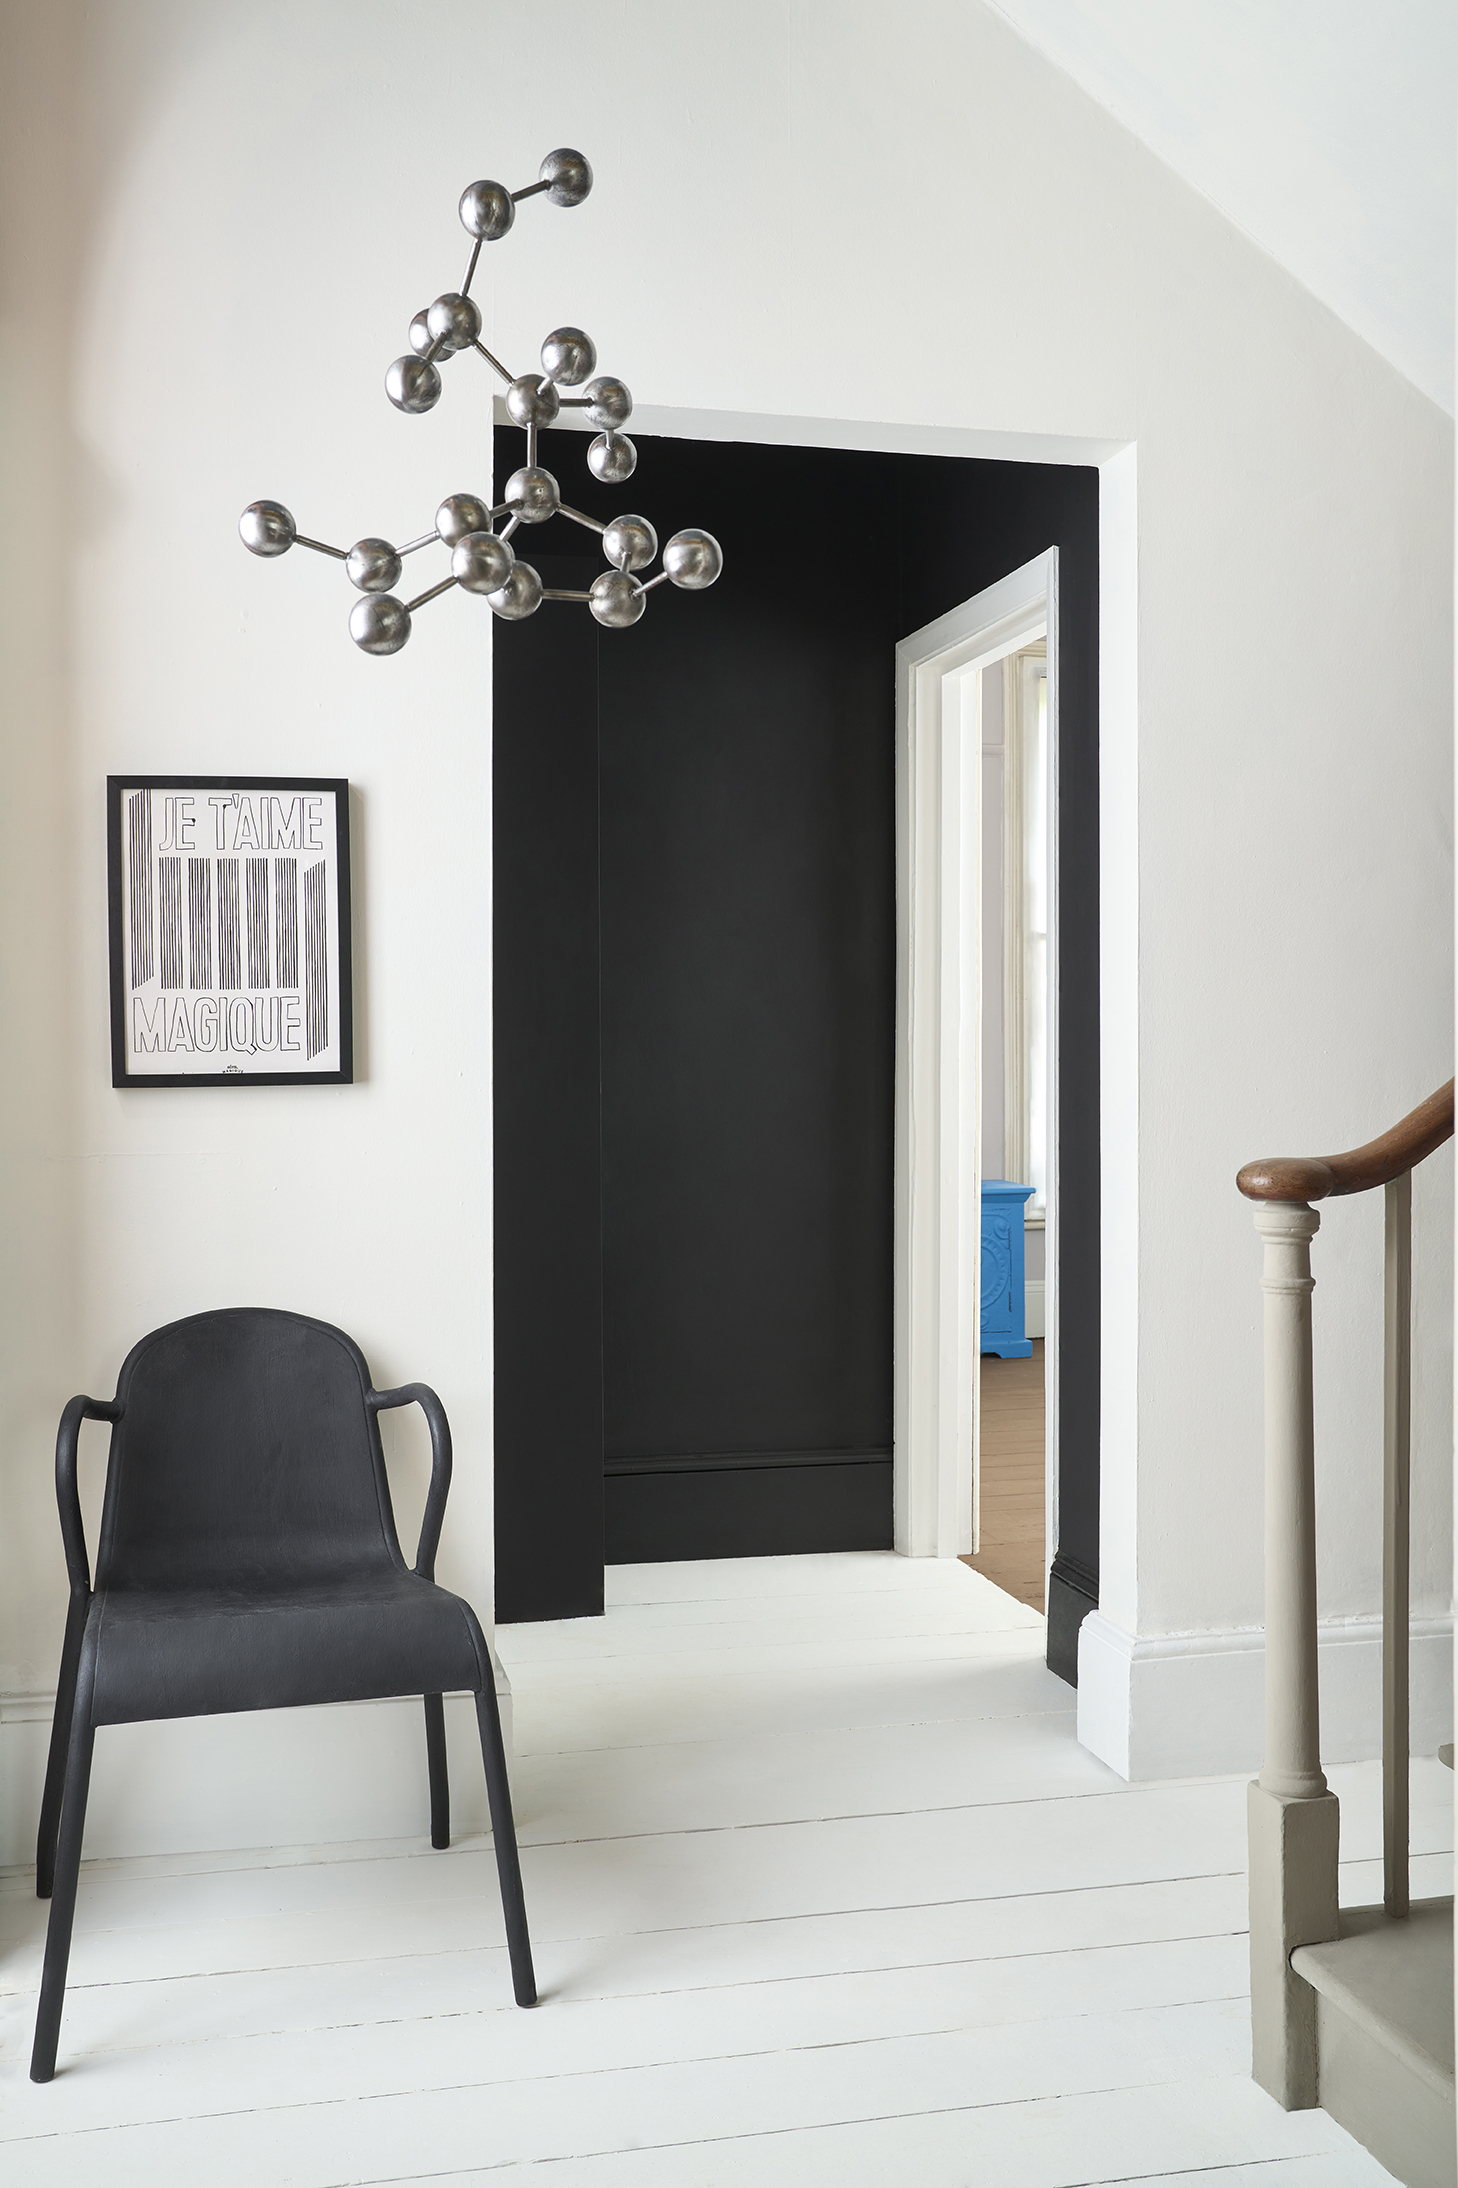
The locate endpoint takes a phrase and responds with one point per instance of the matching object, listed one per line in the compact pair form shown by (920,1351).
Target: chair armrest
(385,1401)
(68,1499)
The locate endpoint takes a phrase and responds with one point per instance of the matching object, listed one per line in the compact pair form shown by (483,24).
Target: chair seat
(206,1651)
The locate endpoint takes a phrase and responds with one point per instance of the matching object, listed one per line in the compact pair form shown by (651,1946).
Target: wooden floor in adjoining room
(1011,1461)
(825,1894)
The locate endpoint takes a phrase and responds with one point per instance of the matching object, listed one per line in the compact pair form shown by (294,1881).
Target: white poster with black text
(230,930)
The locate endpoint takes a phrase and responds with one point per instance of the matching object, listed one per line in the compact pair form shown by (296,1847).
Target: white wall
(1324,128)
(219,219)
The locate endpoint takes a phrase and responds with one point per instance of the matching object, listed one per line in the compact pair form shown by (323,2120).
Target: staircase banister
(1329,1177)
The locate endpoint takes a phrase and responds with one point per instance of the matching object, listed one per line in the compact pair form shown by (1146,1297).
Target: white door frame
(939,1051)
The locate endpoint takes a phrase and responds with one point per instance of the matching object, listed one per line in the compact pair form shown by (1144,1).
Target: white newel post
(1293,1817)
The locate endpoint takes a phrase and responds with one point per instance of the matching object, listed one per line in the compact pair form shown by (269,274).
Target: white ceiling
(1326,129)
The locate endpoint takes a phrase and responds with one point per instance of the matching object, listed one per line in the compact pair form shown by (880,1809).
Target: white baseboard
(1034,1324)
(1193,1705)
(279,1777)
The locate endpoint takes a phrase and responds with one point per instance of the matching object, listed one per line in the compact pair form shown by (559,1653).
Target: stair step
(1385,2036)
(1395,1979)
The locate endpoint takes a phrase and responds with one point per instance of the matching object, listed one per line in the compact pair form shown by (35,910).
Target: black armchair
(248,1560)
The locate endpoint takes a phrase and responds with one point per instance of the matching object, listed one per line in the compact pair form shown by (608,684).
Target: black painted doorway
(694,1001)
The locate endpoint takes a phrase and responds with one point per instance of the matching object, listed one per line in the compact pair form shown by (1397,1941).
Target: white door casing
(938,1051)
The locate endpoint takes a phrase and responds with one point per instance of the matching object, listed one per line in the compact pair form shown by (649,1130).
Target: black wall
(548,1274)
(695,975)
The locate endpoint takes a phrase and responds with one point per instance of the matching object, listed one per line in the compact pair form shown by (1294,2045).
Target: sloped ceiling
(1326,129)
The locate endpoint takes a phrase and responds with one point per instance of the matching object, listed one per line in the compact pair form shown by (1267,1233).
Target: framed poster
(229,913)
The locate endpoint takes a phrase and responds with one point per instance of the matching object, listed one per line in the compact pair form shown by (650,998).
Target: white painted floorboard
(823,1892)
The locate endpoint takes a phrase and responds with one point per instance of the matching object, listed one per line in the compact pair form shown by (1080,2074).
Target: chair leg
(440,1784)
(50,1815)
(63,1900)
(508,1866)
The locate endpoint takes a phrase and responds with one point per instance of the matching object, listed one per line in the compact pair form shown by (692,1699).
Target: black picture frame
(333,917)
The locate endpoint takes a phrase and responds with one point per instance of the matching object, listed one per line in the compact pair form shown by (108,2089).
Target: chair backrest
(245,1454)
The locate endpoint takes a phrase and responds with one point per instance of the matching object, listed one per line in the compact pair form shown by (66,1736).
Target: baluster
(1293,1816)
(1396,1538)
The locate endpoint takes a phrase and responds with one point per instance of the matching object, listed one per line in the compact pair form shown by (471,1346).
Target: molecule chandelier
(482,557)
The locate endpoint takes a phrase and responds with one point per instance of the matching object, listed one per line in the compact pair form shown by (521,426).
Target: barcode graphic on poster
(258,923)
(139,891)
(169,890)
(286,920)
(230,953)
(200,922)
(316,971)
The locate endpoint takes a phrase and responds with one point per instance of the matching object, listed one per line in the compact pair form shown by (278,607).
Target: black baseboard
(758,1504)
(1072,1594)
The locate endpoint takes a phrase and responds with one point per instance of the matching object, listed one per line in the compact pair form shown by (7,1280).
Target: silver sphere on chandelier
(478,535)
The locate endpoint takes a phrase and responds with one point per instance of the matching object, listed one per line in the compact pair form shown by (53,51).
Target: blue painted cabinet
(1004,1301)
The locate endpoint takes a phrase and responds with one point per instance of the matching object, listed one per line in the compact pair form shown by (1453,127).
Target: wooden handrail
(1328,1177)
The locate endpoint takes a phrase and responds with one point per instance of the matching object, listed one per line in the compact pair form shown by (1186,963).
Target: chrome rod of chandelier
(482,558)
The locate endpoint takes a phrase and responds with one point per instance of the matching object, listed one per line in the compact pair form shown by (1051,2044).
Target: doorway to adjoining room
(695,1017)
(1011,1475)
